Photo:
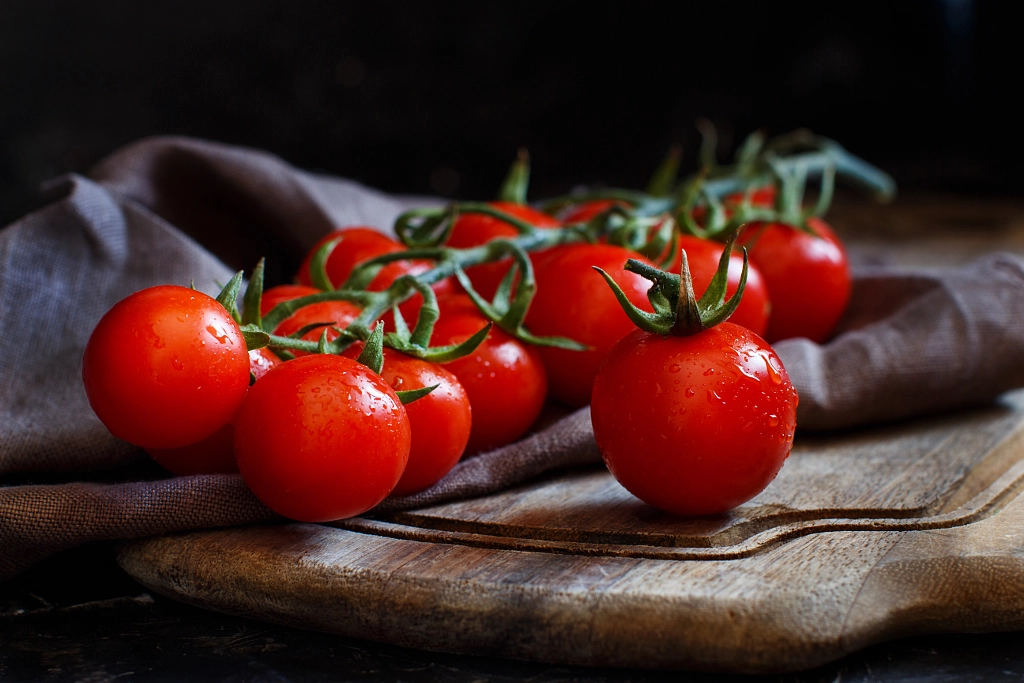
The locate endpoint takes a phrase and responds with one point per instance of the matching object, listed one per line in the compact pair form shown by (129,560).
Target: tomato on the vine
(166,367)
(703,255)
(474,229)
(808,278)
(321,438)
(359,244)
(504,378)
(572,301)
(338,313)
(583,212)
(695,424)
(440,421)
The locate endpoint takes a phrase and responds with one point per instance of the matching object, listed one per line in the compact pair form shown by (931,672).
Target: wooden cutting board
(870,535)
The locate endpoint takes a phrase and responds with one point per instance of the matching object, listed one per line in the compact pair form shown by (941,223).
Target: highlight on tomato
(692,414)
(440,421)
(321,438)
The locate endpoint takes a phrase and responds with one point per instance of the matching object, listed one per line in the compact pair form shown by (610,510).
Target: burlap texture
(912,343)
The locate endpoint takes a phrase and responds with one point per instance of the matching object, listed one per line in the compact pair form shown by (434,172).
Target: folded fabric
(156,212)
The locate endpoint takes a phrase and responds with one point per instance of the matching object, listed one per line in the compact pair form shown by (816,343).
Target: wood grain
(869,535)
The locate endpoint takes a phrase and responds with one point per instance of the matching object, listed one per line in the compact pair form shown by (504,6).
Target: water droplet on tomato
(773,420)
(673,368)
(773,372)
(709,371)
(689,392)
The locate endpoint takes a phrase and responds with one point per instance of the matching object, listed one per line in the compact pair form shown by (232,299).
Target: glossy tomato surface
(215,454)
(574,301)
(166,367)
(503,378)
(321,438)
(694,425)
(808,278)
(359,244)
(440,421)
(703,256)
(473,229)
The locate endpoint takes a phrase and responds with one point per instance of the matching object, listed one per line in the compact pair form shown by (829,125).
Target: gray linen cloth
(912,342)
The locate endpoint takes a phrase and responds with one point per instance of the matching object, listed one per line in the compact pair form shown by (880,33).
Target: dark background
(436,97)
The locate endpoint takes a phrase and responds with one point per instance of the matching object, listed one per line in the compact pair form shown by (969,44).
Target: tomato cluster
(692,414)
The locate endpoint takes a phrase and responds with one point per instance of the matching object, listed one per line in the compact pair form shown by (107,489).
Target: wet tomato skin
(166,367)
(321,438)
(694,425)
(440,421)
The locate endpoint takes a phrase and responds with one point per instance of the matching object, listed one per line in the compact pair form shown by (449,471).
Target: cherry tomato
(281,293)
(359,244)
(262,361)
(694,425)
(573,301)
(474,229)
(215,454)
(703,256)
(503,378)
(581,213)
(440,421)
(165,367)
(338,313)
(808,278)
(321,438)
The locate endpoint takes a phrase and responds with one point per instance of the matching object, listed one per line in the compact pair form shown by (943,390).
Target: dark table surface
(79,617)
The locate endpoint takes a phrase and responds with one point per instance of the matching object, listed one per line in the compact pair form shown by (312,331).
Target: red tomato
(440,421)
(474,229)
(361,244)
(321,438)
(808,278)
(215,454)
(694,425)
(503,378)
(573,301)
(581,213)
(358,244)
(278,295)
(339,313)
(165,367)
(703,257)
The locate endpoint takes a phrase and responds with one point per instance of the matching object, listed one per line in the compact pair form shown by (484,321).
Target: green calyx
(517,182)
(677,311)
